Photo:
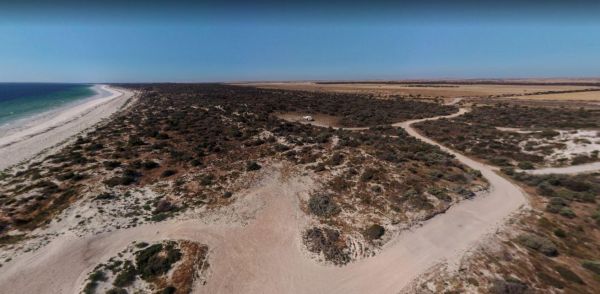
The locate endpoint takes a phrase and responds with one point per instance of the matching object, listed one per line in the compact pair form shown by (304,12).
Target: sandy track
(50,133)
(266,256)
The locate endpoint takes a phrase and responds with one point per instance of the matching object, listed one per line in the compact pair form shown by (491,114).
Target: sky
(176,41)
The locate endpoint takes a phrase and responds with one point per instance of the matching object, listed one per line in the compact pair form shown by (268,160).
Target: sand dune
(266,255)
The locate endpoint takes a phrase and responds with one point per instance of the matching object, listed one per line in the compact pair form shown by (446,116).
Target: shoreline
(44,132)
(19,123)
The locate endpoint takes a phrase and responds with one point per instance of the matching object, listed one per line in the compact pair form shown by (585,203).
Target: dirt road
(266,256)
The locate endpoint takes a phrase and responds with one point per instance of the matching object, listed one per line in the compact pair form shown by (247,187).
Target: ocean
(21,100)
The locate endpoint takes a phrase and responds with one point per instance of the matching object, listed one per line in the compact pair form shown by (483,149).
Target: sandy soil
(574,143)
(573,169)
(267,256)
(48,133)
(439,90)
(319,120)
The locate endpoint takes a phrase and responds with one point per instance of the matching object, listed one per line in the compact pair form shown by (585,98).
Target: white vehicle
(308,118)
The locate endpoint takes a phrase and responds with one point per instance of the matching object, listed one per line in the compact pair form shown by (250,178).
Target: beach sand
(47,133)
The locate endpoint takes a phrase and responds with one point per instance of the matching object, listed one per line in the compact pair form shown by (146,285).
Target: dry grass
(506,260)
(439,90)
(580,96)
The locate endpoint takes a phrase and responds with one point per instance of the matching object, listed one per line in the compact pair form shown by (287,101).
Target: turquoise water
(20,100)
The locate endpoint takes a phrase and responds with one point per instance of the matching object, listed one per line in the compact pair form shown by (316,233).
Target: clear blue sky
(196,43)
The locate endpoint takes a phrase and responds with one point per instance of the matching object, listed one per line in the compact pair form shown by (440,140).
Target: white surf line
(62,117)
(52,132)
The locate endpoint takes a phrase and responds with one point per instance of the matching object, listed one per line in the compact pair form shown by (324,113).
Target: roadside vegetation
(554,248)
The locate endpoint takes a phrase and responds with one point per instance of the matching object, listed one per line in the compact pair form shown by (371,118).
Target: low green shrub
(156,260)
(168,172)
(539,243)
(592,265)
(526,165)
(374,232)
(116,291)
(323,205)
(596,217)
(105,196)
(508,286)
(207,179)
(126,276)
(560,233)
(569,275)
(252,166)
(150,164)
(567,212)
(336,159)
(368,174)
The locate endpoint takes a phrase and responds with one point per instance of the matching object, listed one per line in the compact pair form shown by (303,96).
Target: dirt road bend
(267,255)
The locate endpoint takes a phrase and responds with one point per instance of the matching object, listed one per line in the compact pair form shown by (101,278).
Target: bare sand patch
(572,143)
(320,120)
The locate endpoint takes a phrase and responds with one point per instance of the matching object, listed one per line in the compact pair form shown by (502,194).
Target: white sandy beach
(46,132)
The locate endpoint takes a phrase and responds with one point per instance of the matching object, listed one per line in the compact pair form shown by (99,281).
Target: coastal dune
(48,133)
(265,256)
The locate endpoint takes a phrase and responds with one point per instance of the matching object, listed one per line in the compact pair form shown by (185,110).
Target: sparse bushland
(195,145)
(396,181)
(544,250)
(516,116)
(563,191)
(176,127)
(477,133)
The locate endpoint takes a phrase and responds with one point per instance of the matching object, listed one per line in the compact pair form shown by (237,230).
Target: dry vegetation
(366,197)
(197,145)
(555,248)
(480,133)
(450,89)
(589,95)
